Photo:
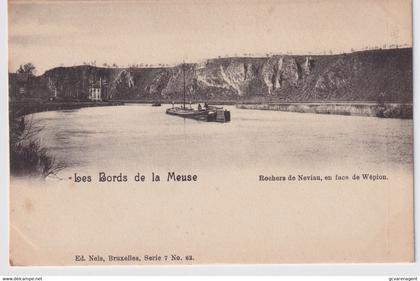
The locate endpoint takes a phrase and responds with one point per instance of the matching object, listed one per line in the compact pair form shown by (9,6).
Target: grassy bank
(28,157)
(387,110)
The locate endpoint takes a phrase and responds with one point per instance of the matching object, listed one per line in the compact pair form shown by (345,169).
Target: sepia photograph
(190,132)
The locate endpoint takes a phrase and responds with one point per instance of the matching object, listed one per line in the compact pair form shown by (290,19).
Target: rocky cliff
(359,76)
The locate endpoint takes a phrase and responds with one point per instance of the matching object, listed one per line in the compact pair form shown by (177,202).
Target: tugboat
(208,113)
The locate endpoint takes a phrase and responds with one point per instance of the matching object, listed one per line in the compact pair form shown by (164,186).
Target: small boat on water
(208,113)
(156,104)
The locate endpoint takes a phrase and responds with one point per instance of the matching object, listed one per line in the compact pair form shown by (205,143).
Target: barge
(208,113)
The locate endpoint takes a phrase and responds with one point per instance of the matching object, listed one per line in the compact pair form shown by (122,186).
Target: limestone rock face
(307,66)
(272,73)
(347,77)
(334,79)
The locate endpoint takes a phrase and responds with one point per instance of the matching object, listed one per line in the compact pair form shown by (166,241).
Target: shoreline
(385,110)
(354,108)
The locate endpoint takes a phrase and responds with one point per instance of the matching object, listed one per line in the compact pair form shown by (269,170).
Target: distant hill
(359,76)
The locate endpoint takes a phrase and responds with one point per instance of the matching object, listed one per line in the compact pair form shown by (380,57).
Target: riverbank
(21,108)
(28,157)
(387,110)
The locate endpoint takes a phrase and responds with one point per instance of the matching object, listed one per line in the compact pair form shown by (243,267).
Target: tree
(28,68)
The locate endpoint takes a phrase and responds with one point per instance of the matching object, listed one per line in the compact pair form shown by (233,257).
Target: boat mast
(183,68)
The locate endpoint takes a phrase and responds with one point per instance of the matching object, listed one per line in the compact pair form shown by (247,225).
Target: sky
(54,33)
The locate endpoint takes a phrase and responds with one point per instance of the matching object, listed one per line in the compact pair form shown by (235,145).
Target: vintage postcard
(190,132)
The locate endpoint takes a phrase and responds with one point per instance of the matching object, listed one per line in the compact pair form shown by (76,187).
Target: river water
(228,215)
(142,137)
